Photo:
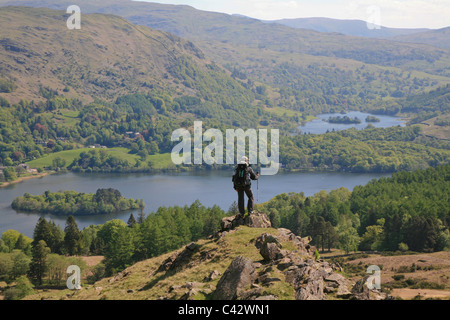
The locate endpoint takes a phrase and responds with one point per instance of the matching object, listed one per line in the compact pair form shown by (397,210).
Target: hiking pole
(257,187)
(257,191)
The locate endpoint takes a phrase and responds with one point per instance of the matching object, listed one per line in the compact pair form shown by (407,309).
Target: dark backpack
(241,177)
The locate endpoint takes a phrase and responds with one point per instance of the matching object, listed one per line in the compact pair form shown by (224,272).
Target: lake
(319,126)
(209,187)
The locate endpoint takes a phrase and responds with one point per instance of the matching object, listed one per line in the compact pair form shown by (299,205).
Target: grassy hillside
(106,58)
(159,161)
(142,281)
(439,38)
(305,69)
(405,276)
(349,27)
(69,155)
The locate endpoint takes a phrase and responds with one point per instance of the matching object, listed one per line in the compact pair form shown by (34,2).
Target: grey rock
(254,220)
(213,275)
(239,274)
(270,251)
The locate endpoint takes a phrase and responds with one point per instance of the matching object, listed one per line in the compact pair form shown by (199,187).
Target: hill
(106,58)
(439,38)
(247,261)
(297,69)
(349,27)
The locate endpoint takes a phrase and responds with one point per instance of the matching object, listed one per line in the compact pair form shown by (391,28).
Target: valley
(87,123)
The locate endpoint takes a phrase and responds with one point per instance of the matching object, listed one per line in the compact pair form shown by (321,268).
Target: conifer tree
(131,221)
(72,238)
(38,265)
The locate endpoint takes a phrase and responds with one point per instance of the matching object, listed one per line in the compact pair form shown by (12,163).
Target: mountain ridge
(353,27)
(300,69)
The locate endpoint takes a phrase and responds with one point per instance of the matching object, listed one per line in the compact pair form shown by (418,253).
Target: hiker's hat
(244,160)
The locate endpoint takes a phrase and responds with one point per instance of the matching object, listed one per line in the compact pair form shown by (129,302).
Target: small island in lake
(344,120)
(372,119)
(104,201)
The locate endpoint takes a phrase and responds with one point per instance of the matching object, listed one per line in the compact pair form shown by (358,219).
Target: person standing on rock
(243,174)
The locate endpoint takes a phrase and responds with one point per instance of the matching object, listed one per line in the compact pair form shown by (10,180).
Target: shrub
(403,246)
(398,277)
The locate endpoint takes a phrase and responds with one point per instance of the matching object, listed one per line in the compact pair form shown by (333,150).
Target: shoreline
(34,176)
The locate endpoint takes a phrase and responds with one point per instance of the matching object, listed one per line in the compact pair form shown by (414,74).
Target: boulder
(307,282)
(178,260)
(239,274)
(212,275)
(257,220)
(254,220)
(265,238)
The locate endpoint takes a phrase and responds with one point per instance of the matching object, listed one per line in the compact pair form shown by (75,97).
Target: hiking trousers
(241,200)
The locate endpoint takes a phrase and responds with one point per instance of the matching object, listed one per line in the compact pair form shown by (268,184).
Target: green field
(282,112)
(159,161)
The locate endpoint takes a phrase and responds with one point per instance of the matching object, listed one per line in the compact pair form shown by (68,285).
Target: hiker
(243,174)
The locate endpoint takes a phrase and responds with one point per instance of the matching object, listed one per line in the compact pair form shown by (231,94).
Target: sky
(431,14)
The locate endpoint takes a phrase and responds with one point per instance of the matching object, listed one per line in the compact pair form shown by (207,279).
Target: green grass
(279,111)
(70,155)
(159,161)
(69,117)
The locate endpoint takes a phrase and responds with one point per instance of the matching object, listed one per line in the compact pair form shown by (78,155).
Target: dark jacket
(250,173)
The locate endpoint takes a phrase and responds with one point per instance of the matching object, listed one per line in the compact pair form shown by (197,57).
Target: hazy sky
(390,13)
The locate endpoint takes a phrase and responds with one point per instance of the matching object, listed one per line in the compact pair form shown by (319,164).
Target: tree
(233,209)
(131,221)
(22,289)
(72,238)
(422,234)
(38,265)
(23,243)
(330,235)
(10,238)
(21,264)
(274,217)
(10,174)
(50,233)
(348,236)
(58,162)
(371,239)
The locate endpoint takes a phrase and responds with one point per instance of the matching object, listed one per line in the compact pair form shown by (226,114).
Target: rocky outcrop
(178,260)
(254,220)
(238,275)
(311,279)
(361,291)
(285,258)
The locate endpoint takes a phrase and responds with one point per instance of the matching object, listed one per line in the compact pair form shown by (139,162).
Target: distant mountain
(108,57)
(439,38)
(348,27)
(206,27)
(299,69)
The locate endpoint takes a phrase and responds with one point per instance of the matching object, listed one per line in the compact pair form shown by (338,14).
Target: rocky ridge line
(245,279)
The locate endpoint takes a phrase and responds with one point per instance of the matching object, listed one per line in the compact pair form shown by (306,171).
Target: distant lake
(319,126)
(209,187)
